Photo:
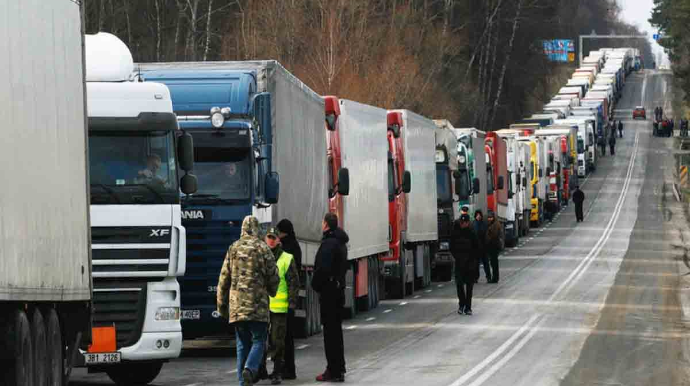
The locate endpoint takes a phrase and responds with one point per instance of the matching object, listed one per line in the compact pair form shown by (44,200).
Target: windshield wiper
(152,190)
(108,190)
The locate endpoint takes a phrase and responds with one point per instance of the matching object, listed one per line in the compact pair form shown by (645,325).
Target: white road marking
(403,303)
(417,296)
(387,311)
(351,327)
(427,291)
(370,319)
(565,286)
(301,347)
(440,286)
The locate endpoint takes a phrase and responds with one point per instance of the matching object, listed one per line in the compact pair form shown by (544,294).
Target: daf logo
(159,232)
(192,215)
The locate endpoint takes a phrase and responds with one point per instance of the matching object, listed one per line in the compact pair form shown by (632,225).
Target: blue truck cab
(231,125)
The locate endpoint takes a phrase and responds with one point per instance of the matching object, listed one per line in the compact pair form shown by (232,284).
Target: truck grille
(444,225)
(207,244)
(123,308)
(130,262)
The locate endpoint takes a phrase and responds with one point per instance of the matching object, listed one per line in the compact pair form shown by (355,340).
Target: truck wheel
(54,349)
(16,353)
(134,373)
(38,338)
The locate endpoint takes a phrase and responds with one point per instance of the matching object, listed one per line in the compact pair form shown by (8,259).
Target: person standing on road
(612,144)
(328,281)
(620,128)
(602,144)
(248,277)
(285,299)
(480,227)
(494,244)
(578,199)
(289,243)
(464,247)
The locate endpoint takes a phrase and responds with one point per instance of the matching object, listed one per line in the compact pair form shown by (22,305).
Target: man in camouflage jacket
(248,277)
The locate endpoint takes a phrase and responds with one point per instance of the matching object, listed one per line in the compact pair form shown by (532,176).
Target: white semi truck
(45,262)
(136,156)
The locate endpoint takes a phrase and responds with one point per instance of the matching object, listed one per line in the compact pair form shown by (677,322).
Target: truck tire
(16,354)
(54,347)
(134,374)
(38,338)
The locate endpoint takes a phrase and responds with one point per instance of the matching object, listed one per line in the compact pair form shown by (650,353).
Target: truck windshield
(443,184)
(391,181)
(580,145)
(223,173)
(133,167)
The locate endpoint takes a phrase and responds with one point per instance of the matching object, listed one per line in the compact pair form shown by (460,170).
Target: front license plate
(191,314)
(104,357)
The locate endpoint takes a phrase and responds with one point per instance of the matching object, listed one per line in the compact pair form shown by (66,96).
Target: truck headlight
(168,313)
(443,246)
(217,120)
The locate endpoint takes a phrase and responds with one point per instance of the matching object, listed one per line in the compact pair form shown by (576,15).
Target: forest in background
(672,17)
(478,63)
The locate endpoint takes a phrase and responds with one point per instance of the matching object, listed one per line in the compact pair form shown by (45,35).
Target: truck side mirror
(518,179)
(407,182)
(461,187)
(185,152)
(548,171)
(500,183)
(524,182)
(510,194)
(476,186)
(188,184)
(541,173)
(343,181)
(272,188)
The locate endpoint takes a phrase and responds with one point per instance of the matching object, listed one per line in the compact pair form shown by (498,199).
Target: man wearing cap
(578,199)
(285,299)
(289,243)
(464,247)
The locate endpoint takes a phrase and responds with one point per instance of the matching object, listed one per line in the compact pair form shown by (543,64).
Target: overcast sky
(638,12)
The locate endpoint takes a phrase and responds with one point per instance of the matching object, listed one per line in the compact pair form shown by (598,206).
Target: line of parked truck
(152,167)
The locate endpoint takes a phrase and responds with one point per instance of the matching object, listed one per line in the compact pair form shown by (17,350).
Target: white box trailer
(45,251)
(422,230)
(364,153)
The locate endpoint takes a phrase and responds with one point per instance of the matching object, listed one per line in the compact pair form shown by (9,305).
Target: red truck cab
(497,202)
(565,166)
(398,186)
(334,155)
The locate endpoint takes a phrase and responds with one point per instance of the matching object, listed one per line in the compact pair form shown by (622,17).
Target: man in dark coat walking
(578,199)
(612,143)
(480,227)
(620,128)
(288,239)
(464,246)
(330,267)
(494,243)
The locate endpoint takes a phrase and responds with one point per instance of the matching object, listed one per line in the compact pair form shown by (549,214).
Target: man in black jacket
(288,239)
(578,199)
(330,268)
(464,247)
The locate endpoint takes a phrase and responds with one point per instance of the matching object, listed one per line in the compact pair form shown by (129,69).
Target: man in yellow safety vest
(286,298)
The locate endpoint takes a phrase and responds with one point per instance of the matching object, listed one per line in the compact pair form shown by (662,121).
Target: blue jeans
(250,337)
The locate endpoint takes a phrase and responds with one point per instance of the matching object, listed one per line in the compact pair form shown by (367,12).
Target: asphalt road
(601,302)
